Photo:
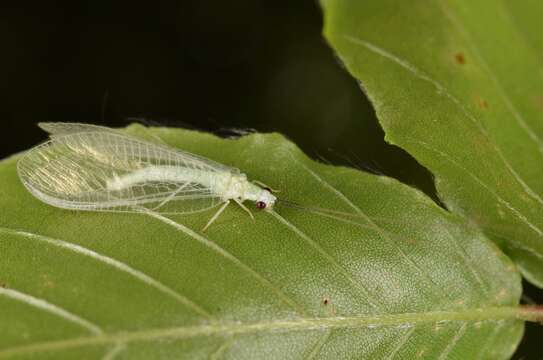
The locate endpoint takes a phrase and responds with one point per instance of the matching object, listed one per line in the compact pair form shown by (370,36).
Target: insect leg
(244,208)
(261,184)
(214,217)
(171,196)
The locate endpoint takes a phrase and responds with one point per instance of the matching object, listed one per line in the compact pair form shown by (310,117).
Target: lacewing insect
(88,167)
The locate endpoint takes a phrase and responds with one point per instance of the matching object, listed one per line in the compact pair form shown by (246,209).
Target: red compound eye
(260,205)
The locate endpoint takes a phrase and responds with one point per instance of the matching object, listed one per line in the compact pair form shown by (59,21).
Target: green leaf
(398,278)
(459,85)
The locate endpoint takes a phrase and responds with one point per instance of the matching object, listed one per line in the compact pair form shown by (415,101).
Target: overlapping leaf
(458,84)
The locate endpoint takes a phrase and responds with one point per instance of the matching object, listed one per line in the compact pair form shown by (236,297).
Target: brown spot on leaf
(539,102)
(330,308)
(47,282)
(3,285)
(460,58)
(482,103)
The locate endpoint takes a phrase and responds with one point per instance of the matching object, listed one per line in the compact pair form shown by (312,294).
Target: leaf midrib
(299,324)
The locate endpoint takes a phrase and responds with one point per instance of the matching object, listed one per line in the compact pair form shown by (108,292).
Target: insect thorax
(231,186)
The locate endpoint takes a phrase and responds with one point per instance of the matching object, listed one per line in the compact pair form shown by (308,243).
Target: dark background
(216,66)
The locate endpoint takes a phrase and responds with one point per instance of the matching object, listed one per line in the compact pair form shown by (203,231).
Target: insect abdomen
(162,174)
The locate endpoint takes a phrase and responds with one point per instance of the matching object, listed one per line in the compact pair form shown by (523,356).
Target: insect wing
(59,128)
(56,129)
(73,171)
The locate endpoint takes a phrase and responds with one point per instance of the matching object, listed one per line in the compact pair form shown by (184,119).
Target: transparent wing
(73,171)
(59,128)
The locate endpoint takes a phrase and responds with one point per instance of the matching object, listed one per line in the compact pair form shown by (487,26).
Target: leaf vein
(442,90)
(114,351)
(51,308)
(384,234)
(219,353)
(148,280)
(450,347)
(448,12)
(230,257)
(298,324)
(484,186)
(319,345)
(370,298)
(403,340)
(489,340)
(461,251)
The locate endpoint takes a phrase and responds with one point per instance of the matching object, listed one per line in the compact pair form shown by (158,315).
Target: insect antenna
(316,209)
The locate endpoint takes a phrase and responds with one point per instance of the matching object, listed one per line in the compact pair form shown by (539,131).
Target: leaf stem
(533,313)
